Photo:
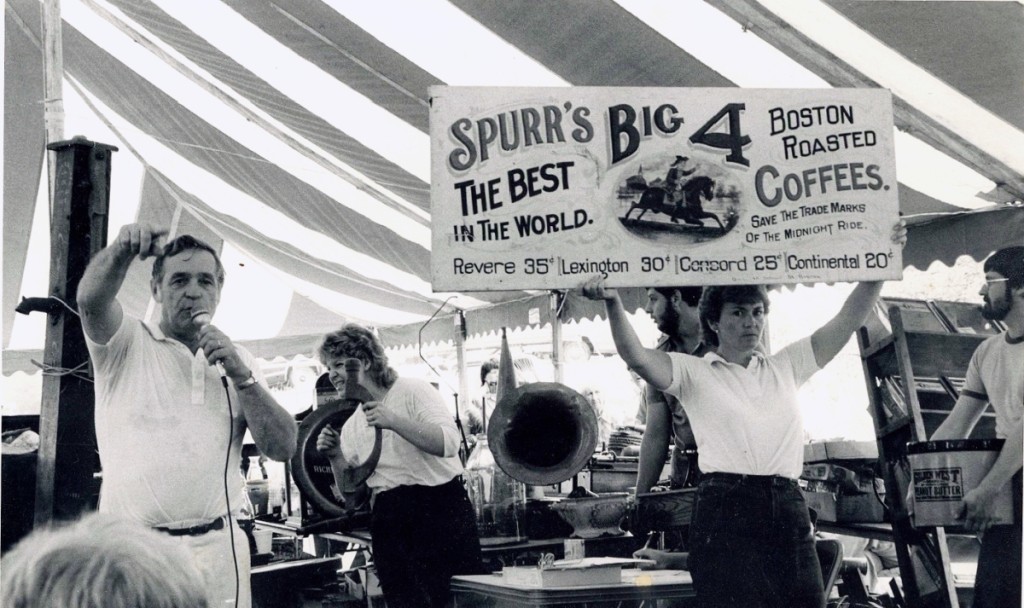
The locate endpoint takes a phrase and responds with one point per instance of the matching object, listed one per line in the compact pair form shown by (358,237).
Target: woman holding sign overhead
(751,542)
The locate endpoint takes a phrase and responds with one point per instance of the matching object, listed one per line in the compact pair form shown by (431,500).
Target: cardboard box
(843,494)
(841,479)
(820,451)
(841,508)
(844,480)
(822,471)
(814,452)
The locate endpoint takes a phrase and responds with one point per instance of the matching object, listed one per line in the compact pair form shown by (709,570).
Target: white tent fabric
(294,135)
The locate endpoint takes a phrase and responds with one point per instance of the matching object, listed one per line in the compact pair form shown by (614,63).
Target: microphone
(202,319)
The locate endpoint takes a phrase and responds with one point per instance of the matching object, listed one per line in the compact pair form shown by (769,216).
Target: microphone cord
(227,466)
(202,318)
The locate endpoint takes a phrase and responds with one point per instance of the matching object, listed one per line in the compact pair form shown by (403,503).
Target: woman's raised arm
(652,365)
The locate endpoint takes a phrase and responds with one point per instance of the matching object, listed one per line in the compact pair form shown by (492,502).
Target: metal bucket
(944,471)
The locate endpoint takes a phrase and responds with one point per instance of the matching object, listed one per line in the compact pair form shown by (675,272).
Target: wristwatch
(247,382)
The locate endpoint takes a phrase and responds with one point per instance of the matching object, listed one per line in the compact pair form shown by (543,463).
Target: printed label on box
(938,485)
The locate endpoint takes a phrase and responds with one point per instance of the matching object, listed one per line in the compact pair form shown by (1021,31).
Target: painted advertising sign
(542,188)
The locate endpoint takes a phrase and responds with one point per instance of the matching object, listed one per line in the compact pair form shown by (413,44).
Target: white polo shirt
(162,428)
(746,420)
(402,463)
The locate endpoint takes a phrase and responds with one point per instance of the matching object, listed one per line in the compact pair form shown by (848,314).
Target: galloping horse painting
(686,204)
(676,209)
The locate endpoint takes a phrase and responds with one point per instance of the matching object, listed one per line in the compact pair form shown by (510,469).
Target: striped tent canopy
(294,135)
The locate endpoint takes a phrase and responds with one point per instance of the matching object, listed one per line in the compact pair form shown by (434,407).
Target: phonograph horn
(506,370)
(540,433)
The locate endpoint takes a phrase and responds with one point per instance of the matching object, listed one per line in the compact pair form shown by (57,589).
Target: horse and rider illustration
(679,198)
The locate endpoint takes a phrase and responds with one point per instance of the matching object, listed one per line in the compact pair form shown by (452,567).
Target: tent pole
(557,349)
(460,358)
(53,80)
(53,122)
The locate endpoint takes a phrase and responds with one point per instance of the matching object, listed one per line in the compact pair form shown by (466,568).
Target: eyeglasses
(990,281)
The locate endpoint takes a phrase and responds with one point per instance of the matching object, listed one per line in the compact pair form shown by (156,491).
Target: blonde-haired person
(100,561)
(423,526)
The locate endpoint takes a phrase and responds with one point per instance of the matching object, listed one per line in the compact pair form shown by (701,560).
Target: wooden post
(67,438)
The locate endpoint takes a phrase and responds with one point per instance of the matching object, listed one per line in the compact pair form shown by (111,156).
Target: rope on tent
(54,370)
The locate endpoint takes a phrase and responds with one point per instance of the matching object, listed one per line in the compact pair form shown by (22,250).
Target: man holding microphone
(173,401)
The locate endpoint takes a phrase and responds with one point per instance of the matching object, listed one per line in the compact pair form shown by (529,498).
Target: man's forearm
(652,461)
(272,427)
(961,421)
(860,302)
(654,444)
(103,278)
(626,341)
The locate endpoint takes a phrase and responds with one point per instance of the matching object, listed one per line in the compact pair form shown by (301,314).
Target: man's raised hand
(594,289)
(142,240)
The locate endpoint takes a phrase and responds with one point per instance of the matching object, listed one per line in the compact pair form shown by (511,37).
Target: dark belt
(197,530)
(752,480)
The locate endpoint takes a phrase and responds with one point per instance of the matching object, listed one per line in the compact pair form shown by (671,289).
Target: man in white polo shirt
(169,425)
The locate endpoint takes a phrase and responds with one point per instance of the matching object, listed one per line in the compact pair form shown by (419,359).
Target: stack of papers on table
(571,572)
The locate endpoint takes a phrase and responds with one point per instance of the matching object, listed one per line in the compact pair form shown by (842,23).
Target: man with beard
(674,310)
(996,375)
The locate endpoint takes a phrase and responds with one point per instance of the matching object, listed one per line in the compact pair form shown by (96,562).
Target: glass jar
(498,500)
(257,487)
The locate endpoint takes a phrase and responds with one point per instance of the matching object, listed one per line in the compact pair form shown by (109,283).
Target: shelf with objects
(843,487)
(915,354)
(842,484)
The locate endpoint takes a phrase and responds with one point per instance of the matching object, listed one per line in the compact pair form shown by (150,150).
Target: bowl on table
(594,516)
(662,511)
